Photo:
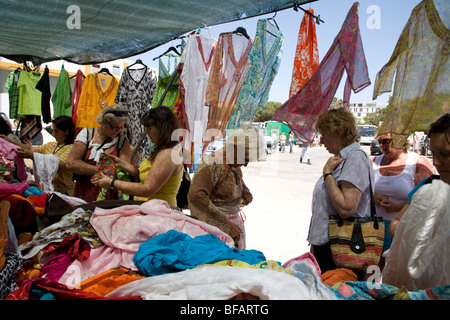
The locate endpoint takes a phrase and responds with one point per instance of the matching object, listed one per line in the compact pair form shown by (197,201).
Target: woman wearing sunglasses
(109,137)
(160,174)
(396,173)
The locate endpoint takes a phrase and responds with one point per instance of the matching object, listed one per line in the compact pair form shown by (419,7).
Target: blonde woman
(344,186)
(109,138)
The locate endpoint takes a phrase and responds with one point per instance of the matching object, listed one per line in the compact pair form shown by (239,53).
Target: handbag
(356,243)
(182,195)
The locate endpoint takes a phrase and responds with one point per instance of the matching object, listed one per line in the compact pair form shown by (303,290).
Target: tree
(268,111)
(336,103)
(375,118)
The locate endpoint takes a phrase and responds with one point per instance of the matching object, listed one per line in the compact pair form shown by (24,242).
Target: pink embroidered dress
(225,80)
(346,53)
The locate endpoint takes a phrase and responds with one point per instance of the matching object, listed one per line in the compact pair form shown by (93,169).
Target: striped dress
(63,182)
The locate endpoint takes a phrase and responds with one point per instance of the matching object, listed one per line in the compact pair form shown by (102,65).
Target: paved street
(278,218)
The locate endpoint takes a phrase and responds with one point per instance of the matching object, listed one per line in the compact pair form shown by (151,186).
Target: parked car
(375,148)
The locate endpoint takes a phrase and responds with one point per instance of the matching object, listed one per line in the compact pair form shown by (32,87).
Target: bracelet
(326,175)
(111,185)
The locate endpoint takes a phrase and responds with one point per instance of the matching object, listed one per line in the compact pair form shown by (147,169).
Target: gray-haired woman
(109,138)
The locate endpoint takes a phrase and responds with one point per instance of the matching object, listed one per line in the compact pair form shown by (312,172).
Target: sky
(380,21)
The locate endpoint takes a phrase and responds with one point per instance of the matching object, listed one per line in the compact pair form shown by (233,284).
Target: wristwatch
(326,175)
(111,185)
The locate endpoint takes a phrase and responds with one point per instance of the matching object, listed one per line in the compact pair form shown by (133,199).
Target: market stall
(60,247)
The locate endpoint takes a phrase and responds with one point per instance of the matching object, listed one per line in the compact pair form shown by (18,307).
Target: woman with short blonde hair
(343,187)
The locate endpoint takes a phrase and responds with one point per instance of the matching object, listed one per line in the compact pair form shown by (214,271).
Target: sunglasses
(119,113)
(384,141)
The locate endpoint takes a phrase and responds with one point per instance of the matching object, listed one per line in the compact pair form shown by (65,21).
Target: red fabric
(59,291)
(73,245)
(346,53)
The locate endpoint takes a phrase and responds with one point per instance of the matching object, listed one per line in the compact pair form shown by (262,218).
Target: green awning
(94,31)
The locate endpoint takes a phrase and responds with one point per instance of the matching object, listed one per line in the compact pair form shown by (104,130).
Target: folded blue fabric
(175,251)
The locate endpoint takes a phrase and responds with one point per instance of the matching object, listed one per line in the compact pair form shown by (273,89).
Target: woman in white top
(396,173)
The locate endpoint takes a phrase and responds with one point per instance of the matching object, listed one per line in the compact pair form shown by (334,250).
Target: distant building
(362,109)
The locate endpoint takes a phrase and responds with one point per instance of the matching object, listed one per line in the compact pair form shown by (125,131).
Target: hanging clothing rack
(317,18)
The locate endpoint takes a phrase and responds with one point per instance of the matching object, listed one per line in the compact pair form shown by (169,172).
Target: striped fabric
(356,244)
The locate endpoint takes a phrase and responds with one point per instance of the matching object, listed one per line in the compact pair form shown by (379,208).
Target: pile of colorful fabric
(132,251)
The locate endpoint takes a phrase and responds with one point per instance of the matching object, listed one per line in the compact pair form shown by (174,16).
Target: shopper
(159,176)
(344,186)
(63,130)
(218,191)
(90,143)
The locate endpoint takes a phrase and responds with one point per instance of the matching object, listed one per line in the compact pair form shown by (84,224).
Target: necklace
(103,96)
(57,149)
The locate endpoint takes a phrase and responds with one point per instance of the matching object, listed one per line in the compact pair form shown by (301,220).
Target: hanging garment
(346,53)
(13,93)
(421,68)
(98,92)
(62,95)
(164,76)
(76,94)
(29,96)
(263,62)
(306,58)
(44,87)
(196,58)
(225,79)
(135,91)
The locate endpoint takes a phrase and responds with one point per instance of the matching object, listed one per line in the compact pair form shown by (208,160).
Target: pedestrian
(305,152)
(282,142)
(274,141)
(291,142)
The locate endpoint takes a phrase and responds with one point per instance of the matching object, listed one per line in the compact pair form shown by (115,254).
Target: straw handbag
(357,243)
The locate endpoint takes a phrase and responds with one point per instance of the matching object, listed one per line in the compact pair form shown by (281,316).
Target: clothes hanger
(242,31)
(317,18)
(138,61)
(105,70)
(76,75)
(167,51)
(273,19)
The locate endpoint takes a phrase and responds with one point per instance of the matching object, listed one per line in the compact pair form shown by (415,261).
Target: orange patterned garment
(306,58)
